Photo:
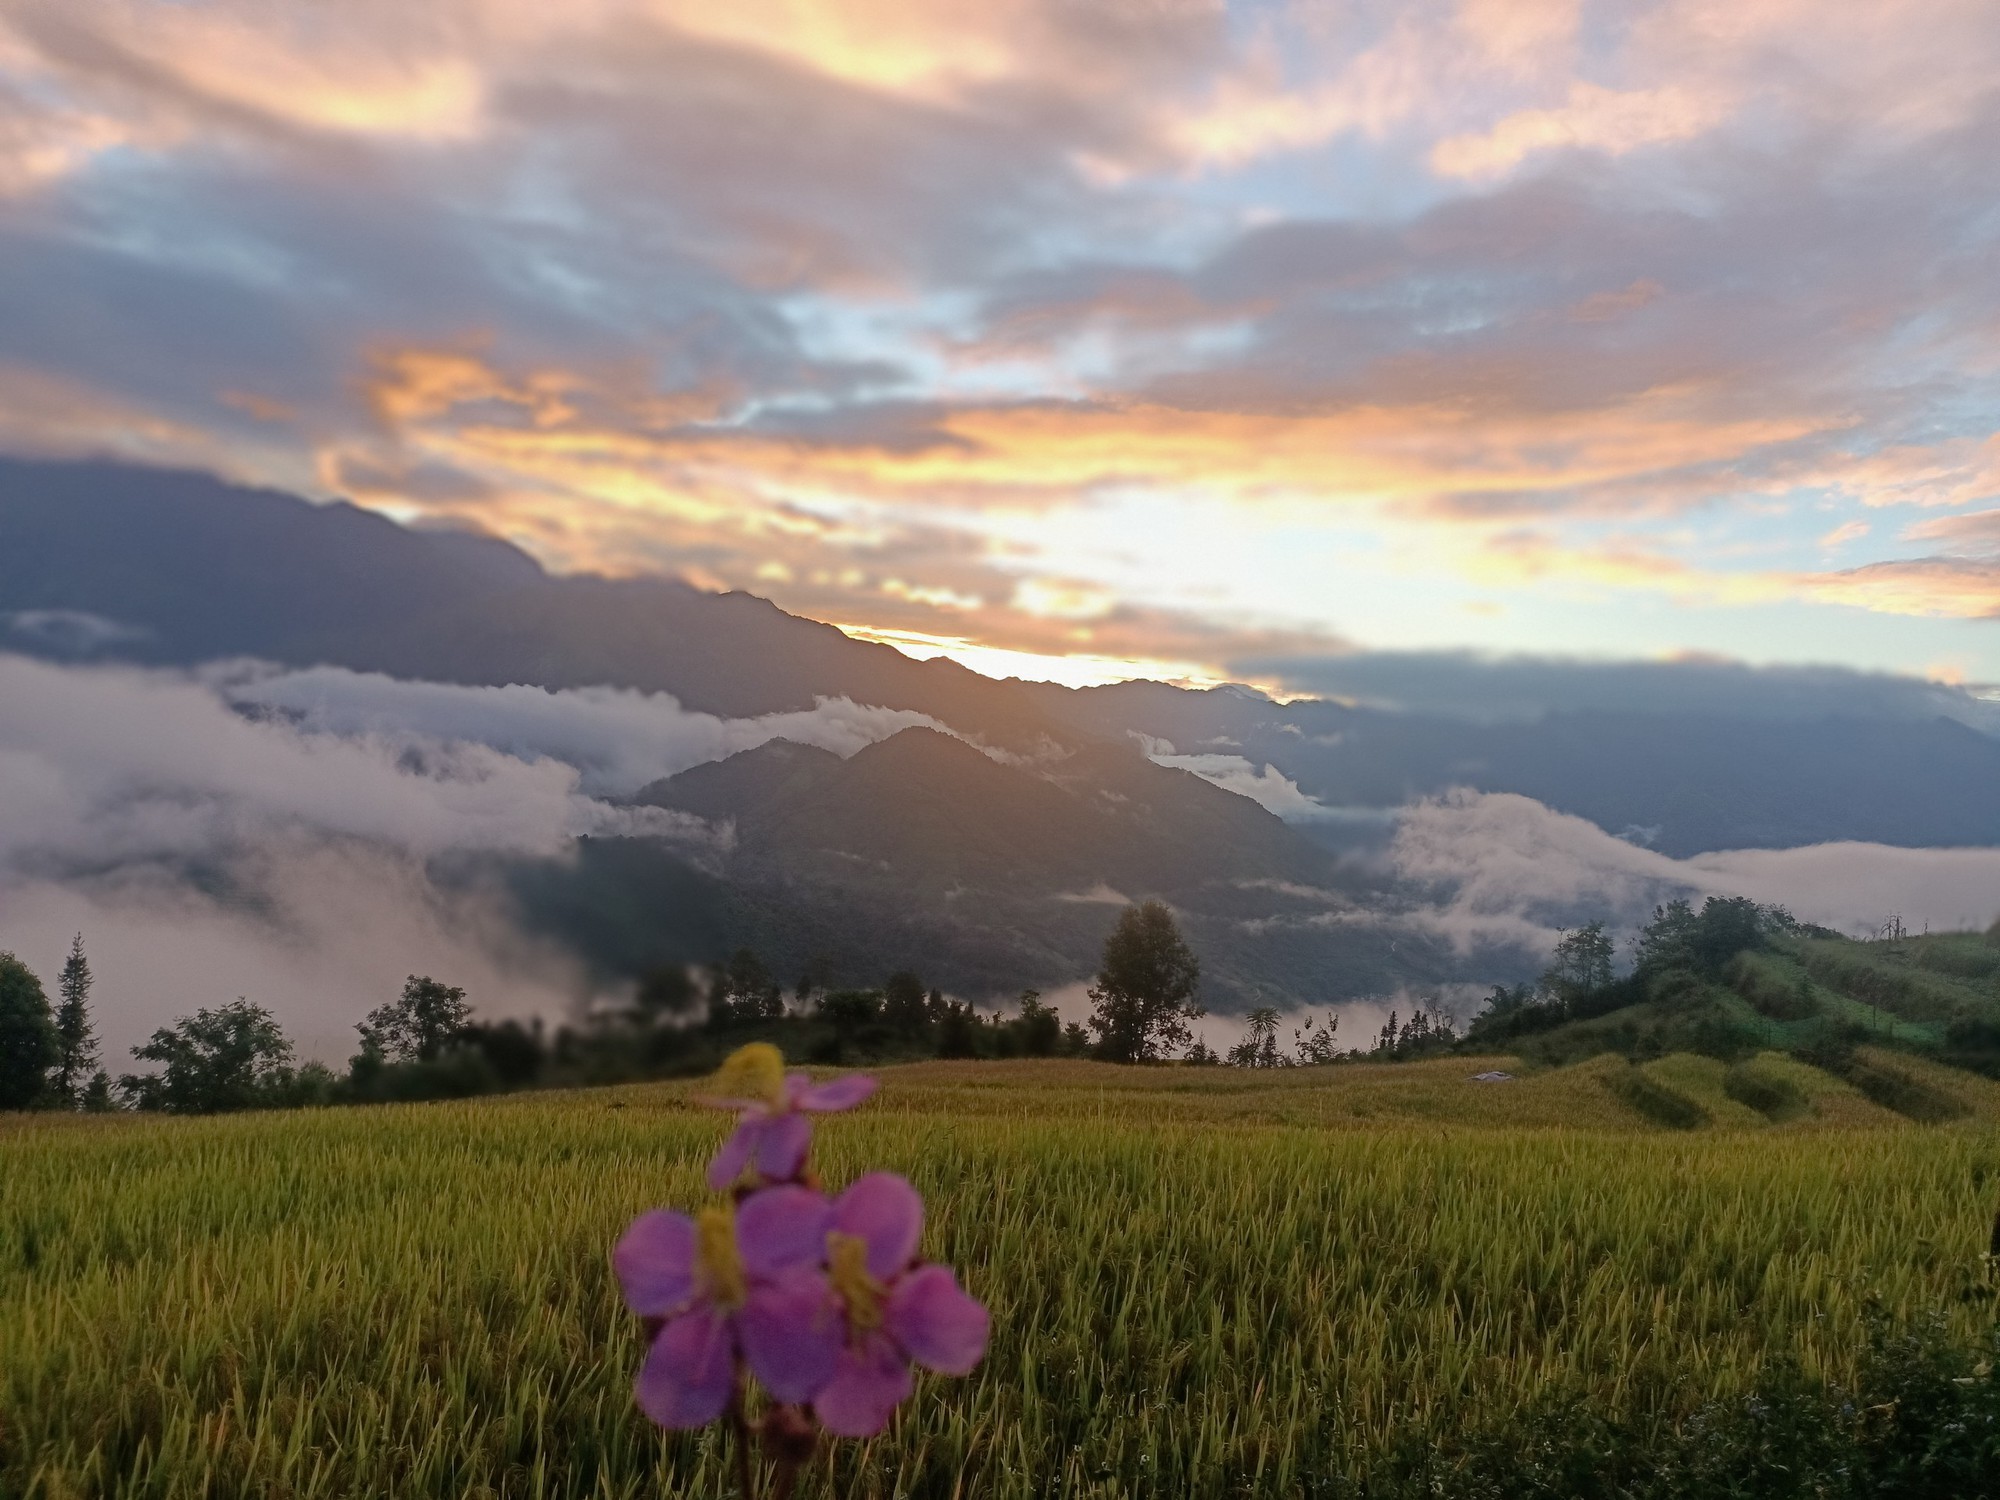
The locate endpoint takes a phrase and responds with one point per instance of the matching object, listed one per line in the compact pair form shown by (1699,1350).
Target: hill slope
(988,876)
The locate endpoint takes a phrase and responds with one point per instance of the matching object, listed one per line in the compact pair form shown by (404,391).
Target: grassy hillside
(1349,1280)
(1807,992)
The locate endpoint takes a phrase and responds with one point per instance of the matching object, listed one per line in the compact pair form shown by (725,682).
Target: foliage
(958,1032)
(28,1043)
(665,991)
(743,991)
(1259,1047)
(1704,942)
(1144,995)
(1581,964)
(76,1041)
(1313,1042)
(905,1005)
(1428,1030)
(229,1058)
(1038,1027)
(428,1017)
(1318,1301)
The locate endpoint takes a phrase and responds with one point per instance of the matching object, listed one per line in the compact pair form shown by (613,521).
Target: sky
(1074,338)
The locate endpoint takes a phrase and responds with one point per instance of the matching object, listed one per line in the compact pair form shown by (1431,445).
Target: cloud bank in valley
(1505,870)
(304,838)
(274,834)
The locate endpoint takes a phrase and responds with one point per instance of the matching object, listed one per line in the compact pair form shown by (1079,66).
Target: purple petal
(735,1153)
(690,1371)
(943,1329)
(885,1211)
(781,1227)
(835,1094)
(868,1381)
(792,1330)
(655,1263)
(781,1150)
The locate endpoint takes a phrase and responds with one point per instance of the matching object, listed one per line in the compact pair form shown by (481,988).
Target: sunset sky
(1080,339)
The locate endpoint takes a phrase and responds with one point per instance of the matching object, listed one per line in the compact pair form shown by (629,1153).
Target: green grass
(1204,1282)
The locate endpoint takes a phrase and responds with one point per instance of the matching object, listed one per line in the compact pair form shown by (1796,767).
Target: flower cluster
(822,1300)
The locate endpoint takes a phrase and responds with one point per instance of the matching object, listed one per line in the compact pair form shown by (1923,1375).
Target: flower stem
(746,1473)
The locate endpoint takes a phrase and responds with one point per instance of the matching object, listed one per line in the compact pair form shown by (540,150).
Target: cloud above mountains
(614,739)
(1144,334)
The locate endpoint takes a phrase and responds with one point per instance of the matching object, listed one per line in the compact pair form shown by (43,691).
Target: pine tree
(76,1041)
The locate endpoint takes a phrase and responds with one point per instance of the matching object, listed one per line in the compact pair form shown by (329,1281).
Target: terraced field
(1204,1281)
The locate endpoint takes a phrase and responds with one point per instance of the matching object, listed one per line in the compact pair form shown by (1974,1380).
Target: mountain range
(991,851)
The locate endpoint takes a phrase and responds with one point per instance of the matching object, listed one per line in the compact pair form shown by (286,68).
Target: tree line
(428,1043)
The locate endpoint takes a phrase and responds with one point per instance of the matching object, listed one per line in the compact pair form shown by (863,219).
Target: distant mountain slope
(200,569)
(925,807)
(1682,783)
(990,876)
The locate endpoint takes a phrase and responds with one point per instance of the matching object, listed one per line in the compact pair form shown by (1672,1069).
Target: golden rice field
(1203,1282)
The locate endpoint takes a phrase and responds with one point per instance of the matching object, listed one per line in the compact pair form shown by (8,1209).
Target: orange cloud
(1612,121)
(1937,587)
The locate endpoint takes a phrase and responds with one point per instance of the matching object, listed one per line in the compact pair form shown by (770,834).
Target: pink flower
(892,1310)
(727,1283)
(772,1132)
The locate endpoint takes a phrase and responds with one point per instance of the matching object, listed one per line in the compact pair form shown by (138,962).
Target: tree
(906,1005)
(76,1042)
(1581,963)
(1259,1047)
(417,1027)
(815,979)
(1427,1030)
(1667,942)
(1040,1026)
(850,1010)
(958,1033)
(744,992)
(28,1045)
(1144,995)
(1314,1043)
(1726,927)
(232,1057)
(1703,943)
(665,990)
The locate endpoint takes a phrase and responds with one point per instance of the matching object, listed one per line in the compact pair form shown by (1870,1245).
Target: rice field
(1203,1282)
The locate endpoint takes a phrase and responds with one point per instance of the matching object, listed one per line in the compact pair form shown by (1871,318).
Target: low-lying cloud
(278,835)
(1505,870)
(1261,782)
